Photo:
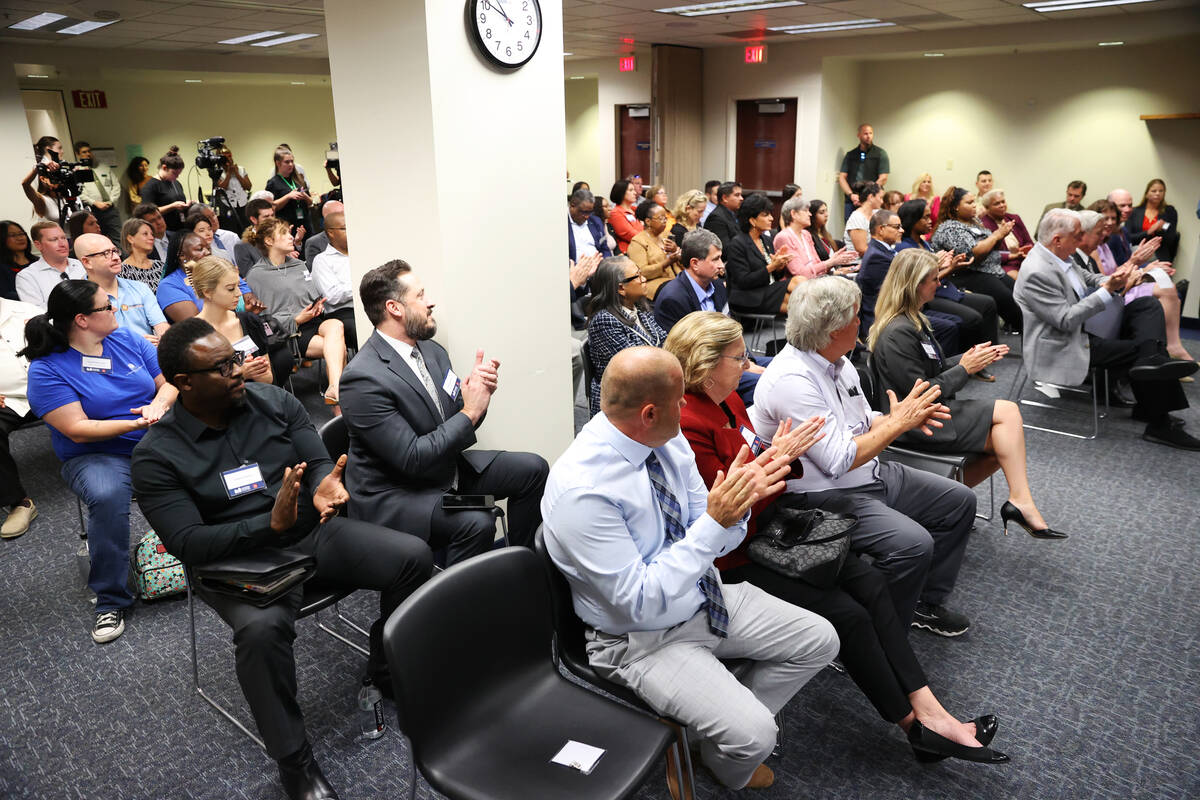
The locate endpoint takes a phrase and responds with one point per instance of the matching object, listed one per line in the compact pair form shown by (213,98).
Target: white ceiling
(592,28)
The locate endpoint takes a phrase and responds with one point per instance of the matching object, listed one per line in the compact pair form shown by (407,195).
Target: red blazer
(625,226)
(715,444)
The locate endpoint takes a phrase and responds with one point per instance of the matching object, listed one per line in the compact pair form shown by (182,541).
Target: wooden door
(633,142)
(766,147)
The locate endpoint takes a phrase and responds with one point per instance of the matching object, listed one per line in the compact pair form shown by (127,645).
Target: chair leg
(687,775)
(337,609)
(349,643)
(778,751)
(415,773)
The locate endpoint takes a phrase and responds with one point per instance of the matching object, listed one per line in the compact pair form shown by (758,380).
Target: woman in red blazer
(875,649)
(622,219)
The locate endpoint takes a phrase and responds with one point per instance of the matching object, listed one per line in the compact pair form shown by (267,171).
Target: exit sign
(627,63)
(89,98)
(756,53)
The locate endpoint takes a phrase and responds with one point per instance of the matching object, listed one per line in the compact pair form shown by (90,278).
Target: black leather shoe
(1010,513)
(926,741)
(1139,416)
(302,778)
(1171,437)
(1120,395)
(1161,368)
(985,731)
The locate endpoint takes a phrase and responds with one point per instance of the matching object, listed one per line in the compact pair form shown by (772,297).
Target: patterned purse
(157,573)
(802,543)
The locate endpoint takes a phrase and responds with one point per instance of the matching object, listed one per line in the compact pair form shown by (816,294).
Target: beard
(420,330)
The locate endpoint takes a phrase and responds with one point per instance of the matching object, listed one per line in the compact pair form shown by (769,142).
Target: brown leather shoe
(762,778)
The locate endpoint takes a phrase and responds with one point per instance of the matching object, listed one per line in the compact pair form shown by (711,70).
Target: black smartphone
(467,502)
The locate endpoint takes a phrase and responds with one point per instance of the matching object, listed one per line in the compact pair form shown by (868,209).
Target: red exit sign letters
(756,53)
(627,63)
(89,98)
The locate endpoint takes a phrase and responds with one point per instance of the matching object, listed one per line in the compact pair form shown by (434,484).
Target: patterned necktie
(714,603)
(427,379)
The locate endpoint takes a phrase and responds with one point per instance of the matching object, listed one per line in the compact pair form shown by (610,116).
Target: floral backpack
(157,573)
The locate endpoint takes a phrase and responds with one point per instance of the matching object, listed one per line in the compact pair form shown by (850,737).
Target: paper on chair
(578,755)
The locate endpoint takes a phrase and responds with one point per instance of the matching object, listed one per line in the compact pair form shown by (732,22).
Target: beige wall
(614,88)
(583,131)
(1040,120)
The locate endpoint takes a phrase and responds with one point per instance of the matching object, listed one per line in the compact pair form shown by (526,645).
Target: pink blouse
(805,260)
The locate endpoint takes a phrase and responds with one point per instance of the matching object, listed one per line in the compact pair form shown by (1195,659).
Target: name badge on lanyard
(757,445)
(245,345)
(930,351)
(98,364)
(451,385)
(243,480)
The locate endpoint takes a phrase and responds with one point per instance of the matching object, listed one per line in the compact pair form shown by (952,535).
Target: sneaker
(109,625)
(18,519)
(940,620)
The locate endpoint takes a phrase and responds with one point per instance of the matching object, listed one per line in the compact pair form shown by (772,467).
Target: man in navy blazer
(585,232)
(1118,242)
(411,422)
(723,221)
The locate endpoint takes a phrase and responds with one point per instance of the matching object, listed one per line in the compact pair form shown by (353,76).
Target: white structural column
(458,169)
(17,147)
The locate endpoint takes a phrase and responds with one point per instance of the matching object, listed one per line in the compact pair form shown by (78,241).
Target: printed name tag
(267,329)
(98,364)
(307,275)
(757,445)
(245,345)
(929,350)
(243,480)
(451,384)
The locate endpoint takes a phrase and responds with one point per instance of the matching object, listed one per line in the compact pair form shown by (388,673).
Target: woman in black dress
(292,199)
(904,351)
(165,191)
(757,277)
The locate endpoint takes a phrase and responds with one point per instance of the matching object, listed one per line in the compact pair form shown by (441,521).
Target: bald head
(335,230)
(88,243)
(641,393)
(1123,200)
(332,207)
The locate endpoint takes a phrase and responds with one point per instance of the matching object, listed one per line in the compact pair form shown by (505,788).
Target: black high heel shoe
(926,741)
(985,731)
(1010,513)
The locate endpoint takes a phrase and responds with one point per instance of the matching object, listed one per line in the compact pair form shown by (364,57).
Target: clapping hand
(256,368)
(746,483)
(581,271)
(981,356)
(919,410)
(331,494)
(794,442)
(285,510)
(1145,251)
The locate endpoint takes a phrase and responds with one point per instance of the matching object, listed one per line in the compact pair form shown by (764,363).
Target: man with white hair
(1056,298)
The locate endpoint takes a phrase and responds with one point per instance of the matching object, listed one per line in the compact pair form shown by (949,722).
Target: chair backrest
(568,627)
(336,437)
(589,371)
(866,377)
(483,623)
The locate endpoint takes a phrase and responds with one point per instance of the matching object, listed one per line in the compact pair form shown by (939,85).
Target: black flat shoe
(924,740)
(302,779)
(1010,513)
(985,731)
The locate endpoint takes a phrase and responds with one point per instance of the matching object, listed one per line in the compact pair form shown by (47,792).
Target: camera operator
(237,186)
(100,192)
(48,152)
(165,191)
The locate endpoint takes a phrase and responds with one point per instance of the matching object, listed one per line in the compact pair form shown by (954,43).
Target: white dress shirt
(35,282)
(228,240)
(605,531)
(800,384)
(331,271)
(14,370)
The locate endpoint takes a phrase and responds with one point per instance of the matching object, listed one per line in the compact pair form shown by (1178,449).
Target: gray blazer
(1054,344)
(402,455)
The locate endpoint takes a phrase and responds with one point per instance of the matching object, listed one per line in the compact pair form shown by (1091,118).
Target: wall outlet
(949,164)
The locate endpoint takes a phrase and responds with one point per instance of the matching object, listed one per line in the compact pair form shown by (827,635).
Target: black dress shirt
(177,476)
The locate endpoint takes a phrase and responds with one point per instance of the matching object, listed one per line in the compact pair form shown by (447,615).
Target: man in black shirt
(723,221)
(189,477)
(867,162)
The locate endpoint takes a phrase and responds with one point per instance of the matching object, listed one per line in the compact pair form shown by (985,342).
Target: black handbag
(807,544)
(259,578)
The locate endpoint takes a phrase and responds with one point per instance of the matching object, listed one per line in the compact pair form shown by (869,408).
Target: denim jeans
(102,481)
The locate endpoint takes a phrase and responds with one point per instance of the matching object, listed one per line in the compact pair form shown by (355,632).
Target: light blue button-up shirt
(704,296)
(801,384)
(605,531)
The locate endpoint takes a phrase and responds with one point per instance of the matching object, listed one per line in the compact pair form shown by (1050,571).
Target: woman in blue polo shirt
(98,387)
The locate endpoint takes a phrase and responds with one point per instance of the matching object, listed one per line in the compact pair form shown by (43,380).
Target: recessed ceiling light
(192,80)
(37,76)
(727,7)
(250,37)
(295,37)
(39,21)
(575,77)
(567,54)
(934,55)
(1109,44)
(298,83)
(826,27)
(1049,6)
(85,27)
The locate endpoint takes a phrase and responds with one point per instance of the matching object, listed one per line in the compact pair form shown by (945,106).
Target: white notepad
(578,755)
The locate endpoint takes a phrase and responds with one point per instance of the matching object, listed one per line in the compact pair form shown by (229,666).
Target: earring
(707,383)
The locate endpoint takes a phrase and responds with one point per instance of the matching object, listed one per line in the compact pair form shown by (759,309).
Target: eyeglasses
(225,366)
(108,307)
(104,253)
(742,359)
(895,225)
(633,278)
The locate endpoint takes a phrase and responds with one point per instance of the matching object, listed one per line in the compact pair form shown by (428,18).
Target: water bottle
(370,705)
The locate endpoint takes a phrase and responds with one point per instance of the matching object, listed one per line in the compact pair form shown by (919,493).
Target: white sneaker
(17,522)
(109,625)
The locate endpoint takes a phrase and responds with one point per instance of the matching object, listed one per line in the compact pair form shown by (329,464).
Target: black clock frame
(469,10)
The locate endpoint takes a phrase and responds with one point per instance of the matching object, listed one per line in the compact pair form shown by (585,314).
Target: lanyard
(290,185)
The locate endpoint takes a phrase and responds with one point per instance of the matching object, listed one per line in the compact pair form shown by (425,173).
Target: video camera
(65,176)
(209,156)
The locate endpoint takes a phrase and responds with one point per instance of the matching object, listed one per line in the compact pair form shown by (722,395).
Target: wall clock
(506,32)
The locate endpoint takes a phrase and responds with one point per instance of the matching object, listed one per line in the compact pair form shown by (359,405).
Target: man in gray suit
(1057,297)
(411,422)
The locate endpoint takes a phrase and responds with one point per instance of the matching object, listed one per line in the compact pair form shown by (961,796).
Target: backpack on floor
(156,572)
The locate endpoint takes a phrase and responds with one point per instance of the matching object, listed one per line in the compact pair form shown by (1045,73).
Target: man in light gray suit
(411,422)
(1057,297)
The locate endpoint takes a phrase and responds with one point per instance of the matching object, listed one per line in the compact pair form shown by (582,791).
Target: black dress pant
(521,477)
(11,490)
(350,554)
(980,322)
(1143,334)
(875,648)
(997,287)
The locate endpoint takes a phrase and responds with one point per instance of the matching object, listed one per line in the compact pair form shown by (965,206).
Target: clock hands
(496,6)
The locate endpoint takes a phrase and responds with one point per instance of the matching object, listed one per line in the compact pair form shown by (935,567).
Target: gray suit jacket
(1054,344)
(402,455)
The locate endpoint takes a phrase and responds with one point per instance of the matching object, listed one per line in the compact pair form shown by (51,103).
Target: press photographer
(236,184)
(58,181)
(213,157)
(99,193)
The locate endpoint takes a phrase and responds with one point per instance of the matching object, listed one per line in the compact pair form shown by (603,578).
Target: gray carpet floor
(1087,649)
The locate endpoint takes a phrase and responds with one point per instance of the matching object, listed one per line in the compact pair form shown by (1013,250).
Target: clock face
(506,31)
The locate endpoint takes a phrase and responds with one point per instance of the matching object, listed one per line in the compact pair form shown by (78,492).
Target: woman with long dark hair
(136,175)
(16,253)
(98,387)
(757,276)
(619,316)
(1155,217)
(165,191)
